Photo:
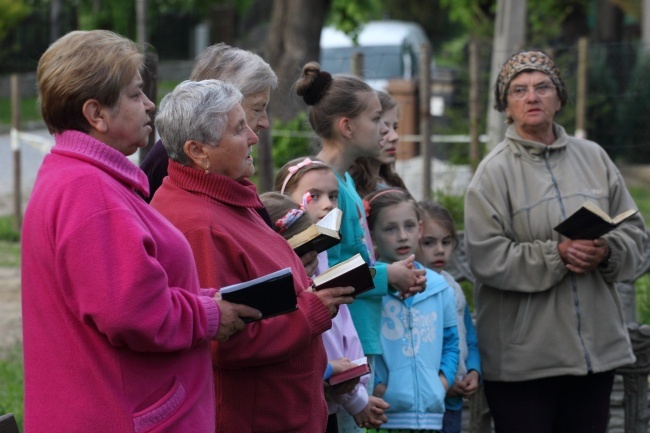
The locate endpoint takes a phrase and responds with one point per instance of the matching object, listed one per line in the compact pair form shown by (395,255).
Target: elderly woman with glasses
(550,326)
(268,377)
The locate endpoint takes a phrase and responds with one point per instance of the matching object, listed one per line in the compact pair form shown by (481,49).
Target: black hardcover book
(591,222)
(353,272)
(273,294)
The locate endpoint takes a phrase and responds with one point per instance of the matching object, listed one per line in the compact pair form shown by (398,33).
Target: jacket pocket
(433,394)
(400,390)
(159,412)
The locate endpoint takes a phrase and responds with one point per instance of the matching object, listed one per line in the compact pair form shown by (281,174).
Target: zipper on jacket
(574,282)
(416,379)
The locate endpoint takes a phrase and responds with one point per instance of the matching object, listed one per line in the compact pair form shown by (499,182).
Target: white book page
(331,220)
(258,280)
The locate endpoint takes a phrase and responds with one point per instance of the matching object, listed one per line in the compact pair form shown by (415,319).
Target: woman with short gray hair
(270,376)
(243,69)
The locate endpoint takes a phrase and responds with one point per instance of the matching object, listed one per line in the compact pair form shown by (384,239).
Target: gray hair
(243,69)
(195,110)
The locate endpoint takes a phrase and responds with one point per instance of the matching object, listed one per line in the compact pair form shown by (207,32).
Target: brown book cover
(273,294)
(353,272)
(361,369)
(591,222)
(320,236)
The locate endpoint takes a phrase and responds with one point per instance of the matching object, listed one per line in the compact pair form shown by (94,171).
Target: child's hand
(405,278)
(340,365)
(372,416)
(334,297)
(469,384)
(310,262)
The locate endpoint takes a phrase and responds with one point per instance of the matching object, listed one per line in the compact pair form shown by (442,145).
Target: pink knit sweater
(116,328)
(269,377)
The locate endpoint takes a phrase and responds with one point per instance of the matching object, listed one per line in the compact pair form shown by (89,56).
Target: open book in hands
(591,222)
(361,369)
(272,294)
(320,236)
(353,272)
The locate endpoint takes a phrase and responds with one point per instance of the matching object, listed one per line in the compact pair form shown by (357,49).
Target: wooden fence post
(15,148)
(581,97)
(425,119)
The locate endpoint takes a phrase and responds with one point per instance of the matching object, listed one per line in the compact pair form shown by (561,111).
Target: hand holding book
(333,297)
(359,369)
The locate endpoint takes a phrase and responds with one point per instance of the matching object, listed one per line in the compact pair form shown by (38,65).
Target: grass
(11,378)
(28,110)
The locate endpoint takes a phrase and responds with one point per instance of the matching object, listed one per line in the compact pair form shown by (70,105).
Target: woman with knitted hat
(549,321)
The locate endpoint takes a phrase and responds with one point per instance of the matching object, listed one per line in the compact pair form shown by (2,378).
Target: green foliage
(642,288)
(455,204)
(541,27)
(7,230)
(468,291)
(476,16)
(348,16)
(294,141)
(641,196)
(11,378)
(11,13)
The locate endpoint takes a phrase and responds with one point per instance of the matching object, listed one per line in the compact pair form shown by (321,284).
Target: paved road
(31,159)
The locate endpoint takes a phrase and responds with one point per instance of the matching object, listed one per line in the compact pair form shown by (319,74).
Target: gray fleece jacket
(535,318)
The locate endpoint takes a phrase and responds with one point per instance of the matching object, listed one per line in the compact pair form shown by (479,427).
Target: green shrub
(291,139)
(455,204)
(642,286)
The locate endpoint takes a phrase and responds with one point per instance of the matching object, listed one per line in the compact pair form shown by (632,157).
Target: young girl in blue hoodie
(436,247)
(419,338)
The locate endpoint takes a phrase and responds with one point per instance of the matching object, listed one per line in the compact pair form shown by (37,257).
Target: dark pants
(563,404)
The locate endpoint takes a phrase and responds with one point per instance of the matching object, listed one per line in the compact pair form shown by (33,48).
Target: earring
(207,166)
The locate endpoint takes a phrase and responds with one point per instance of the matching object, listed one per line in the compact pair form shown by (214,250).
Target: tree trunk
(294,39)
(56,20)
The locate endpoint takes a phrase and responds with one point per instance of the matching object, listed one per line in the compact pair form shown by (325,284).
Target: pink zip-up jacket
(116,329)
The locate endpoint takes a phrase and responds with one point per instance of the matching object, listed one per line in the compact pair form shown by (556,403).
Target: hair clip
(288,219)
(306,199)
(294,168)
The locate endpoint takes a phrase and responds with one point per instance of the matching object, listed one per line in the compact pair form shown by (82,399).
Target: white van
(390,50)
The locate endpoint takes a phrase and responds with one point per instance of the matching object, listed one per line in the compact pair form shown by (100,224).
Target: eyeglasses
(541,90)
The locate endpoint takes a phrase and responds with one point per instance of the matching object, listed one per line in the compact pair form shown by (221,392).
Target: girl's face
(388,153)
(396,232)
(324,190)
(436,245)
(367,129)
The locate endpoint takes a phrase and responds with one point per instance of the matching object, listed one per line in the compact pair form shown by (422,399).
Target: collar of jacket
(521,146)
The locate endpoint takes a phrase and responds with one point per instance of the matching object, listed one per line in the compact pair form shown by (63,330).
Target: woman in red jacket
(268,378)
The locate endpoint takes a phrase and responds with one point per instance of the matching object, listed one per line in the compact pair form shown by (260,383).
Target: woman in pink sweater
(116,327)
(268,378)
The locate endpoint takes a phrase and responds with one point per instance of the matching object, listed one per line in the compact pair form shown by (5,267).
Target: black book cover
(272,294)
